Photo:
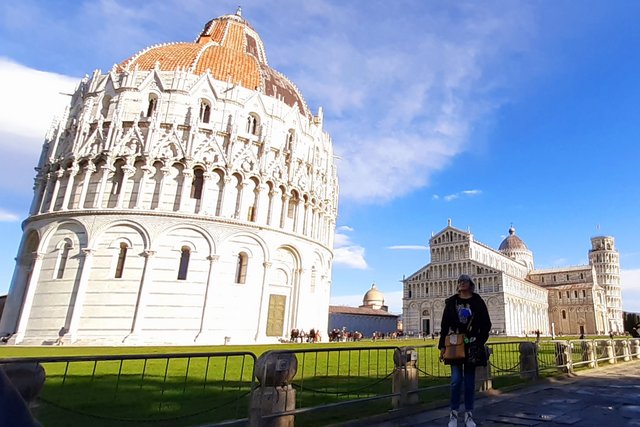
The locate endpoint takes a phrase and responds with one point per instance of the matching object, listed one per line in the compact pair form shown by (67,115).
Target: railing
(139,390)
(239,388)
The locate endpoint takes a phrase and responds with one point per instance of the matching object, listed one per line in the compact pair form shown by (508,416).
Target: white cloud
(6,216)
(399,112)
(408,247)
(347,253)
(30,100)
(454,196)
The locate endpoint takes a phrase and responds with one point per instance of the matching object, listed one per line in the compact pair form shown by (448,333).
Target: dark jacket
(480,321)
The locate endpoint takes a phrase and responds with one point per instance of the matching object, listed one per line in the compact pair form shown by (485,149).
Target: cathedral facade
(521,300)
(187,196)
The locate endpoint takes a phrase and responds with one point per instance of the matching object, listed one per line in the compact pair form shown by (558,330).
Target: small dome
(512,242)
(373,296)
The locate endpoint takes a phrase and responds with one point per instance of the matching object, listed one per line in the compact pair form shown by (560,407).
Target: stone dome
(230,50)
(512,242)
(373,297)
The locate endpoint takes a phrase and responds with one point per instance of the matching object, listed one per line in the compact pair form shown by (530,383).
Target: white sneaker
(468,420)
(453,419)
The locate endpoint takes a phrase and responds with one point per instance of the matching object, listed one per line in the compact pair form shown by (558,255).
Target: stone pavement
(607,396)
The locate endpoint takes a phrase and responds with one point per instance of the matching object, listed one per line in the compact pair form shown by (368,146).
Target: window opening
(122,256)
(197,184)
(62,263)
(184,263)
(241,268)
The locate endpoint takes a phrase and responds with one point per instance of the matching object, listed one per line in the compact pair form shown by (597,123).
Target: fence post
(405,377)
(611,354)
(636,348)
(563,357)
(275,395)
(483,373)
(588,353)
(529,360)
(626,350)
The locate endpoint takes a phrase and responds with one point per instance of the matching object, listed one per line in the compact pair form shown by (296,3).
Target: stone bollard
(275,395)
(483,373)
(528,360)
(588,353)
(28,378)
(405,377)
(611,354)
(563,357)
(626,353)
(635,346)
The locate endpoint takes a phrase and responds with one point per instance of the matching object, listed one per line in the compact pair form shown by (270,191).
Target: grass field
(211,385)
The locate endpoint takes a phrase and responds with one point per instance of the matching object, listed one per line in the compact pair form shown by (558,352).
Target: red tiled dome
(228,48)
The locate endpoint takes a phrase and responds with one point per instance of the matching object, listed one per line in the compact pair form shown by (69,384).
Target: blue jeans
(459,374)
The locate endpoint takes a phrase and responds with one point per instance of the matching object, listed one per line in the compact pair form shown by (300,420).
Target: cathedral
(187,196)
(583,299)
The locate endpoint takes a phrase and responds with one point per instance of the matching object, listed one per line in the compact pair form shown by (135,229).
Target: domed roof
(228,48)
(373,295)
(512,242)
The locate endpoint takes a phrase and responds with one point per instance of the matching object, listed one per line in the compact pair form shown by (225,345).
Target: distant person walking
(465,313)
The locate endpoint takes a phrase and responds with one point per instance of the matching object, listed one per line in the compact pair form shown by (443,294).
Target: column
(17,291)
(204,196)
(97,203)
(56,189)
(47,189)
(239,200)
(127,172)
(205,320)
(185,194)
(305,219)
(30,294)
(270,209)
(81,293)
(261,309)
(146,173)
(73,171)
(221,194)
(89,169)
(285,209)
(143,293)
(38,194)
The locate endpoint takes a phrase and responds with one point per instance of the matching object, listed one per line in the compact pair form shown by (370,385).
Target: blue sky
(487,113)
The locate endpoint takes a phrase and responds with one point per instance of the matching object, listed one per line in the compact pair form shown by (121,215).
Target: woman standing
(464,313)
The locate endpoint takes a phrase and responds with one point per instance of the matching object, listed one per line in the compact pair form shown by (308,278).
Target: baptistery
(187,196)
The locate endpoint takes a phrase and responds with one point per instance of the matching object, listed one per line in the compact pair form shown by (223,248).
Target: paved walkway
(607,396)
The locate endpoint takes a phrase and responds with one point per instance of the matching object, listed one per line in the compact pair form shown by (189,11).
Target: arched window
(185,254)
(197,184)
(122,256)
(252,124)
(152,104)
(205,111)
(63,256)
(564,314)
(241,268)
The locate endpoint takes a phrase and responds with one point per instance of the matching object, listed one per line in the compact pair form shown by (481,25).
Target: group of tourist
(300,336)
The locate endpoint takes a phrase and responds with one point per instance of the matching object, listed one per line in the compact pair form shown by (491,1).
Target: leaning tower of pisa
(606,260)
(188,195)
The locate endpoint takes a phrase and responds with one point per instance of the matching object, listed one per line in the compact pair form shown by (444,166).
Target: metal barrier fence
(144,390)
(239,388)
